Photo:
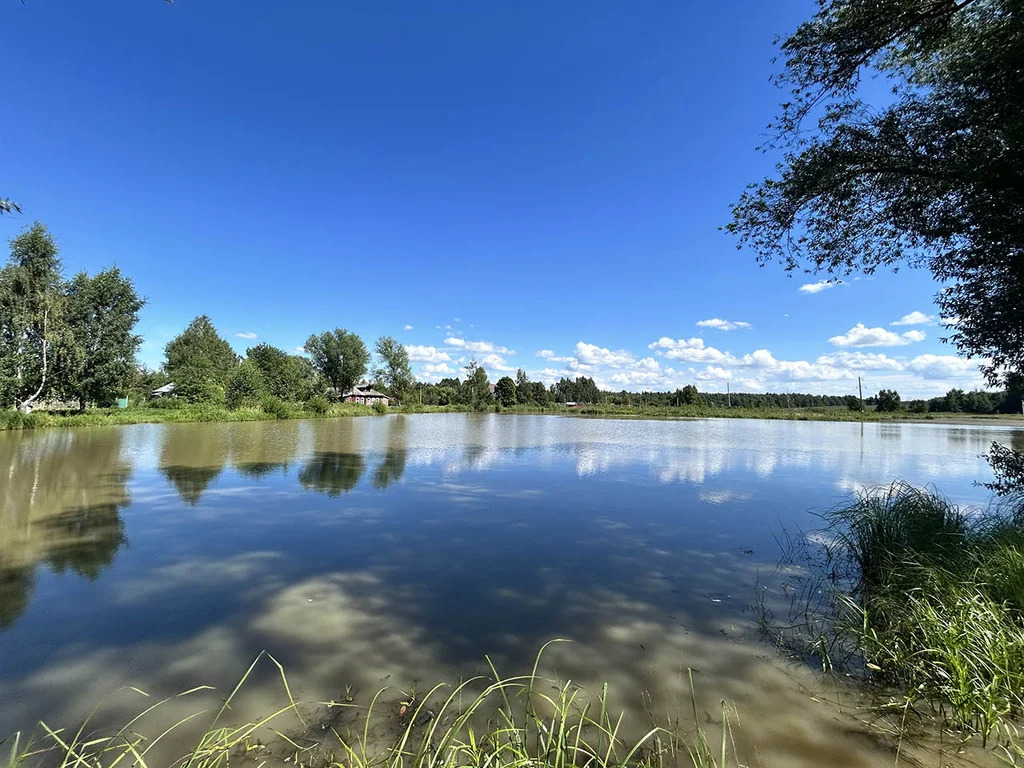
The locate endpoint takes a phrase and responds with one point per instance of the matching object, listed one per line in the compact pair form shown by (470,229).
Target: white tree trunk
(26,405)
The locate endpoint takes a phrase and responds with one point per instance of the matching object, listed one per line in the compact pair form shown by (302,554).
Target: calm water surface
(399,550)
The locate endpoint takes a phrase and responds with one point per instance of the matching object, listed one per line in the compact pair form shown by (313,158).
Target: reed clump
(926,598)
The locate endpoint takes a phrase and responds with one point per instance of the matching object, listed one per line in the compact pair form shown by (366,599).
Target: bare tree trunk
(26,405)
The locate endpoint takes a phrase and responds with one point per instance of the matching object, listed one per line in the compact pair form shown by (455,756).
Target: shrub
(854,403)
(380,407)
(888,401)
(318,405)
(168,403)
(276,407)
(247,387)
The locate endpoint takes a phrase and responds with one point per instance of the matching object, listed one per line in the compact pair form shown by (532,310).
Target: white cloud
(545,353)
(479,347)
(724,325)
(714,373)
(407,328)
(299,350)
(943,366)
(496,363)
(591,354)
(819,286)
(246,335)
(690,350)
(421,354)
(914,318)
(861,361)
(648,364)
(436,371)
(862,336)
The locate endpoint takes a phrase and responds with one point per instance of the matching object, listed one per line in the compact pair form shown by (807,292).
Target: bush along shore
(174,410)
(485,722)
(924,599)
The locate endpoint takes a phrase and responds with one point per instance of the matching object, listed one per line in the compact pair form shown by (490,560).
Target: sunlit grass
(926,599)
(523,721)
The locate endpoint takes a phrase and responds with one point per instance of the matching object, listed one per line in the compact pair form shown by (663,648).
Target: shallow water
(399,550)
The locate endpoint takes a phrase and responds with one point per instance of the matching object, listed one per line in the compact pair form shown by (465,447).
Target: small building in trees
(165,391)
(364,394)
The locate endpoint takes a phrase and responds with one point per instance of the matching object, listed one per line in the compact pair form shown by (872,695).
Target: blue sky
(536,185)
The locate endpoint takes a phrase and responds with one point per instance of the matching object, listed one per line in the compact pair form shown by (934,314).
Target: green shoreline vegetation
(484,722)
(922,599)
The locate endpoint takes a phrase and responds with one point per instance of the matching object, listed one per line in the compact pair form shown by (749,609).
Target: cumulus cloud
(862,336)
(942,366)
(407,327)
(496,363)
(478,347)
(724,325)
(246,335)
(819,286)
(545,353)
(436,371)
(591,354)
(421,354)
(914,318)
(861,361)
(299,350)
(689,350)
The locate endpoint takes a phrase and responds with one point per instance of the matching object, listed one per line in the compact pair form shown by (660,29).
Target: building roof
(166,389)
(365,392)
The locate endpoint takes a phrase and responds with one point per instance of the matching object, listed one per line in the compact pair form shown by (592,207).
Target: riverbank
(171,412)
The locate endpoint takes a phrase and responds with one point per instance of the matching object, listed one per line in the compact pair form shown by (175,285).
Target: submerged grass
(493,722)
(925,598)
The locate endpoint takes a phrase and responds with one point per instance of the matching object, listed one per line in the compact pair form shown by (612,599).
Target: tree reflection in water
(60,505)
(332,473)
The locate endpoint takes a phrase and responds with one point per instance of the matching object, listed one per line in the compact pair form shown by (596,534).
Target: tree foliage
(887,400)
(98,360)
(930,176)
(200,362)
(393,372)
(340,357)
(31,317)
(476,388)
(505,392)
(246,386)
(288,377)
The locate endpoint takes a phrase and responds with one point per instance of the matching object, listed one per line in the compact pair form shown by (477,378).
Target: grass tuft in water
(495,722)
(926,598)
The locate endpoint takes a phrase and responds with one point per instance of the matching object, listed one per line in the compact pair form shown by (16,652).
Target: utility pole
(860,392)
(728,395)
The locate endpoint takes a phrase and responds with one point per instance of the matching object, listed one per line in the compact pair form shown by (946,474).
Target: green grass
(487,722)
(926,599)
(174,411)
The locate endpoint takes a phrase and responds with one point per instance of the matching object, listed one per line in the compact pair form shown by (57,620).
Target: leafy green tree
(288,377)
(887,400)
(853,403)
(523,388)
(688,395)
(101,312)
(477,391)
(539,393)
(928,176)
(505,392)
(246,387)
(200,362)
(955,400)
(32,326)
(340,357)
(394,371)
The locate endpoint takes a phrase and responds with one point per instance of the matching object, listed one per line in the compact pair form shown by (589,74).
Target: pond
(399,550)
